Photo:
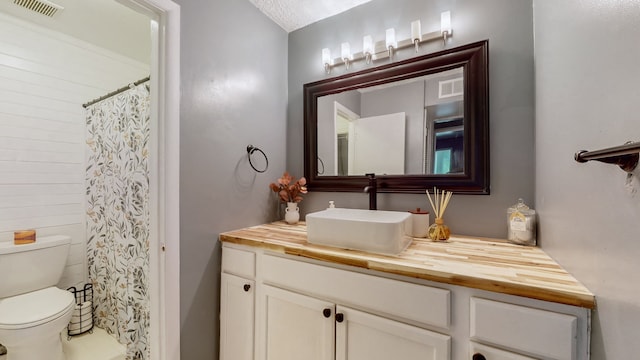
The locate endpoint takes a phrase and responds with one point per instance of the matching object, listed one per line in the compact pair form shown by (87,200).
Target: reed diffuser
(438,231)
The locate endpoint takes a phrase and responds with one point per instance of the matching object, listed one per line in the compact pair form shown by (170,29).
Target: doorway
(46,105)
(164,175)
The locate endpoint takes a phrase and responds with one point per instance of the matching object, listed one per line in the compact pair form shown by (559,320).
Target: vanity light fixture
(391,42)
(416,34)
(445,24)
(367,48)
(372,50)
(326,60)
(346,54)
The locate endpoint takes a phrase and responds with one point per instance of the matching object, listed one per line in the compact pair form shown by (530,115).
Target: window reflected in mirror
(447,147)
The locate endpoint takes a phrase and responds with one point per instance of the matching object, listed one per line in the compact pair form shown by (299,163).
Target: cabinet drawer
(532,331)
(392,298)
(239,262)
(490,353)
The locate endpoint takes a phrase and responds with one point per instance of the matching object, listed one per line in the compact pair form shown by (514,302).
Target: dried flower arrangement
(289,189)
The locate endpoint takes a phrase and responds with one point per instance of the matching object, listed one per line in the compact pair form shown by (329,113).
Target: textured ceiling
(294,14)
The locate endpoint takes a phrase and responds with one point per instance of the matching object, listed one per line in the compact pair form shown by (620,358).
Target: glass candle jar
(521,224)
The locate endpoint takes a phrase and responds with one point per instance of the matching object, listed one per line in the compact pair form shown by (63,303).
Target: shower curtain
(117,193)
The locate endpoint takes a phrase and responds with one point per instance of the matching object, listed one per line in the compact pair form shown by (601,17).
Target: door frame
(345,112)
(164,186)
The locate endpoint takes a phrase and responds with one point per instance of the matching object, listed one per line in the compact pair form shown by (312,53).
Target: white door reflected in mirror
(371,144)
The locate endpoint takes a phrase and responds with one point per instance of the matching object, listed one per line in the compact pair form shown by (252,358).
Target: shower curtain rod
(124,88)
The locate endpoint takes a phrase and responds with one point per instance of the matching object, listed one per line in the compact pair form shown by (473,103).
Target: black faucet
(372,189)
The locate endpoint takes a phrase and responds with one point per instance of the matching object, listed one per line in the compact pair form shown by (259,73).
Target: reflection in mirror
(447,150)
(416,124)
(409,127)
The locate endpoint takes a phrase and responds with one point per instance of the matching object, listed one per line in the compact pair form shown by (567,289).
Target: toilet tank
(30,267)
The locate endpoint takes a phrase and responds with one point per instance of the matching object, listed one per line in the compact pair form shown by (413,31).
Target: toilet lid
(34,308)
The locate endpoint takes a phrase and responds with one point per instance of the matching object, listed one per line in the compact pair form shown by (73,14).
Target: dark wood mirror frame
(474,58)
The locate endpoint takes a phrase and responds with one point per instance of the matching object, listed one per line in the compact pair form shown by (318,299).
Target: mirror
(419,121)
(416,124)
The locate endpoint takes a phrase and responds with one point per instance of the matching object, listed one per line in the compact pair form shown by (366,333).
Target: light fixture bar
(372,51)
(380,50)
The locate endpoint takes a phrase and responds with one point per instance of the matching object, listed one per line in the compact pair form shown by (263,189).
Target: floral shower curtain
(117,180)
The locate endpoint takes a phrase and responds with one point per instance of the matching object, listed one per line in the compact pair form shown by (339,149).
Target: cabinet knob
(478,356)
(326,312)
(339,317)
(246,287)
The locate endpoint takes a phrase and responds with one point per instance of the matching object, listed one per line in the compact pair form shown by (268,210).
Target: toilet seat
(34,308)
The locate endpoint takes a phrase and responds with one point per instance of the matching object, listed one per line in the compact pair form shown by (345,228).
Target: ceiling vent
(449,88)
(43,7)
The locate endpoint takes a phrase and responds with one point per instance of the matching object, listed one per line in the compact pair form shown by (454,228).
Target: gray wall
(508,24)
(234,71)
(587,58)
(588,219)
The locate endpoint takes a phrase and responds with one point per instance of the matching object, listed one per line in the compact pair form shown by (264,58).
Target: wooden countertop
(486,264)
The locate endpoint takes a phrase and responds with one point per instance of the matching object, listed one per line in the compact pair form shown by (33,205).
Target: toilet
(33,311)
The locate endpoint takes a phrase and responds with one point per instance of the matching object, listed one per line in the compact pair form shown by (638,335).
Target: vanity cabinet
(304,308)
(304,316)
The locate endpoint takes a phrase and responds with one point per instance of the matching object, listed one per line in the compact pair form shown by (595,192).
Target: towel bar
(626,156)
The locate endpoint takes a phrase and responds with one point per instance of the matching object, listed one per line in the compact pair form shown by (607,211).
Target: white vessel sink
(384,232)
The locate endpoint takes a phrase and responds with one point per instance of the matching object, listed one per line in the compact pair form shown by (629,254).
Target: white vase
(291,213)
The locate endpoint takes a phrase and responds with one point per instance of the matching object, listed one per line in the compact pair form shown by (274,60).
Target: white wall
(587,97)
(93,21)
(45,77)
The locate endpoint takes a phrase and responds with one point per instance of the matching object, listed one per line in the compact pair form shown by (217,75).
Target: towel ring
(250,150)
(322,163)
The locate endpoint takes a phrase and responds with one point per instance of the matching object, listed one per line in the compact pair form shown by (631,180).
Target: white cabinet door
(362,336)
(237,297)
(298,327)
